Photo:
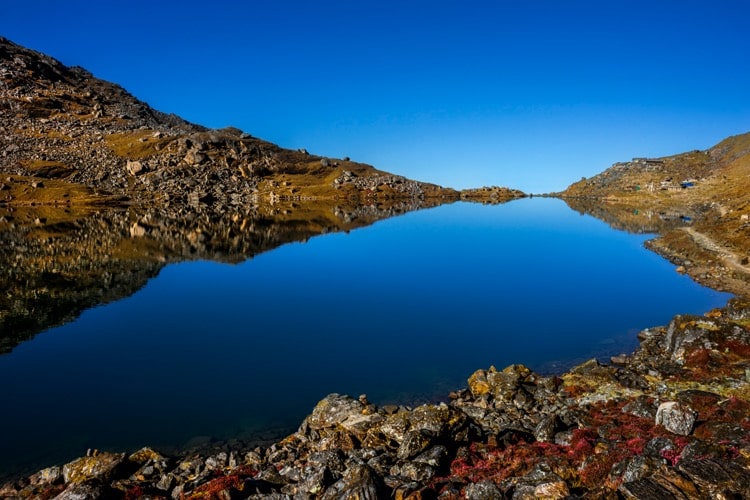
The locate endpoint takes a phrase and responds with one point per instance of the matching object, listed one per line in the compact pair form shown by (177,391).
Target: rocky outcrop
(671,420)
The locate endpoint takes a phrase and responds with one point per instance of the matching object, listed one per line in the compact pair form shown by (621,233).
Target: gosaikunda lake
(403,310)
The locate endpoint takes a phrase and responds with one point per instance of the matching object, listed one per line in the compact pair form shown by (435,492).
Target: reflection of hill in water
(631,218)
(53,265)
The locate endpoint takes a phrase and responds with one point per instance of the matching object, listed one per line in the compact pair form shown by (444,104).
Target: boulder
(134,167)
(333,410)
(101,467)
(676,418)
(137,231)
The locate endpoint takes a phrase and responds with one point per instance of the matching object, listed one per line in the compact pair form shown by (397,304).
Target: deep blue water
(404,310)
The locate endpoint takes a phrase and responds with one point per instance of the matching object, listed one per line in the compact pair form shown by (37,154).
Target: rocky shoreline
(671,420)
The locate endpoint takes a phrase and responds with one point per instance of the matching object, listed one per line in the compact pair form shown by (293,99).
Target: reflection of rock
(52,272)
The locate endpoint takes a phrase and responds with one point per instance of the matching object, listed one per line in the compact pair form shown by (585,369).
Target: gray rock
(676,418)
(545,429)
(82,491)
(358,482)
(640,466)
(486,490)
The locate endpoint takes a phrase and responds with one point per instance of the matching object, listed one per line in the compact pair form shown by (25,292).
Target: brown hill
(69,138)
(708,192)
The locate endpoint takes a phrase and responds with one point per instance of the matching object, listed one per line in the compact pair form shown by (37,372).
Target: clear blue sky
(532,94)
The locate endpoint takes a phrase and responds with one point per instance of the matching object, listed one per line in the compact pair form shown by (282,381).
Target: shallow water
(403,310)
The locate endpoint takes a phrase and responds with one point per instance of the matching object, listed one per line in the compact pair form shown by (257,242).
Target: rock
(435,456)
(137,231)
(359,482)
(676,418)
(324,162)
(436,420)
(82,491)
(417,471)
(478,384)
(165,482)
(640,407)
(315,480)
(639,467)
(395,426)
(134,167)
(485,490)
(194,158)
(100,467)
(46,476)
(414,443)
(333,410)
(37,184)
(541,482)
(145,454)
(619,360)
(546,428)
(359,424)
(216,462)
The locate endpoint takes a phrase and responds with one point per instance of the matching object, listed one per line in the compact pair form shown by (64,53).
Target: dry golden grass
(136,145)
(35,191)
(47,169)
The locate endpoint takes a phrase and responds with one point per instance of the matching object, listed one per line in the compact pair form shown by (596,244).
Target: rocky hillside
(704,196)
(68,138)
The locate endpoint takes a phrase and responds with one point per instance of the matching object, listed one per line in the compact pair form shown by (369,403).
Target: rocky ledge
(671,420)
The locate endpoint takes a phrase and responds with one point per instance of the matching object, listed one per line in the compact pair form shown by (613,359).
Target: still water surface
(404,310)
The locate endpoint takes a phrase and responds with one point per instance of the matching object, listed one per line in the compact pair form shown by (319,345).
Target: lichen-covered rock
(100,467)
(144,455)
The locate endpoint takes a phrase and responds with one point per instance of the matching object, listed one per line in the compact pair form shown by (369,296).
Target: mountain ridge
(90,141)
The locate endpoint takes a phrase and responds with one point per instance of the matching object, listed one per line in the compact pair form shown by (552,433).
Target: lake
(403,310)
